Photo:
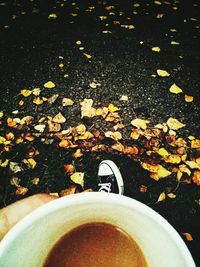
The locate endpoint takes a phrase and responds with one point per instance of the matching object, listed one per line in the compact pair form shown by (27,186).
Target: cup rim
(87,197)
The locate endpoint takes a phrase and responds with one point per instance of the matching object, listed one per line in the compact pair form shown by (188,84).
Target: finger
(11,214)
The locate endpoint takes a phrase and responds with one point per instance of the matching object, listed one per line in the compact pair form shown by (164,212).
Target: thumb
(13,213)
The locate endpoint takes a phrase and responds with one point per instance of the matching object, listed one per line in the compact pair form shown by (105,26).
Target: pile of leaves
(158,149)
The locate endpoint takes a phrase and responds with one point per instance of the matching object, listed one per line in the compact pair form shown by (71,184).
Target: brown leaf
(54,126)
(21,190)
(68,191)
(69,168)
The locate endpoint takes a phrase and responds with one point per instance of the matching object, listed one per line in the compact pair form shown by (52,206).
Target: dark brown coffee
(96,245)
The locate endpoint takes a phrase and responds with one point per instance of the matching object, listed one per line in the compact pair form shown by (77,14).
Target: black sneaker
(110,178)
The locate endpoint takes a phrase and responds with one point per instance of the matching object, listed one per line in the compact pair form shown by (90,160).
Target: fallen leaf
(140,123)
(11,123)
(68,191)
(124,98)
(188,236)
(162,172)
(78,42)
(93,85)
(113,135)
(78,153)
(49,85)
(112,117)
(86,108)
(26,92)
(59,118)
(88,56)
(189,98)
(171,195)
(69,168)
(53,98)
(15,167)
(4,163)
(163,73)
(196,177)
(175,43)
(118,146)
(174,159)
(1,114)
(35,181)
(15,181)
(163,152)
(80,129)
(32,163)
(78,178)
(161,197)
(174,124)
(131,150)
(135,134)
(192,164)
(36,91)
(157,3)
(21,190)
(155,49)
(52,16)
(40,128)
(195,143)
(112,108)
(26,120)
(38,101)
(54,126)
(118,126)
(175,89)
(67,102)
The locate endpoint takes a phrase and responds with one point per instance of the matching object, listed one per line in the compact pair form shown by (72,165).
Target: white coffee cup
(28,243)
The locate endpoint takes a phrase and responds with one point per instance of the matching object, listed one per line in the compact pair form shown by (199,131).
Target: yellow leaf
(192,164)
(155,49)
(93,85)
(78,178)
(52,16)
(1,114)
(4,164)
(11,122)
(26,93)
(32,163)
(114,135)
(78,42)
(184,168)
(40,127)
(171,195)
(163,152)
(162,172)
(195,143)
(49,85)
(150,167)
(157,3)
(174,159)
(189,98)
(175,89)
(112,108)
(35,180)
(88,56)
(81,129)
(61,65)
(67,102)
(118,146)
(163,73)
(161,197)
(37,101)
(124,98)
(140,123)
(175,43)
(78,153)
(59,118)
(174,124)
(36,91)
(86,108)
(64,143)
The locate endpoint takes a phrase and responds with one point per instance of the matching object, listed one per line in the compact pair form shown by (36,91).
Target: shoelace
(106,187)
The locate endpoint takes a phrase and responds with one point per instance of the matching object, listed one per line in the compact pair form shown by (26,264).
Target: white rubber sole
(117,174)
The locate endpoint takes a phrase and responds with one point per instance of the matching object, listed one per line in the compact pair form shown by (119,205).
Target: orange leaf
(69,168)
(188,236)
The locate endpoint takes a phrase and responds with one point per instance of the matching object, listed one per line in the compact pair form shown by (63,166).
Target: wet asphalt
(37,36)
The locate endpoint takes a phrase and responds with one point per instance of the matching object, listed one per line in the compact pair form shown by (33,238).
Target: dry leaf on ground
(78,178)
(140,123)
(175,89)
(174,124)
